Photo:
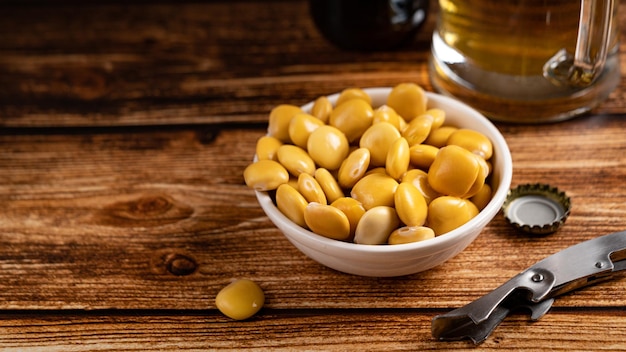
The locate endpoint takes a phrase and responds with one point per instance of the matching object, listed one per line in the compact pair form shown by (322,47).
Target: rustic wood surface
(124,131)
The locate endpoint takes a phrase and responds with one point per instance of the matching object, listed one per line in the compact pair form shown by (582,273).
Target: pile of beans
(372,175)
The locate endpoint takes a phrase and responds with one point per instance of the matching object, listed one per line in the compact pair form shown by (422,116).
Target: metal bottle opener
(535,288)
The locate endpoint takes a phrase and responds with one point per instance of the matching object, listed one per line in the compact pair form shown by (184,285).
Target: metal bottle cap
(537,209)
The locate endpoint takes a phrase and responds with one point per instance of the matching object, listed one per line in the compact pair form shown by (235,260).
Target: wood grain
(90,220)
(103,64)
(380,330)
(124,132)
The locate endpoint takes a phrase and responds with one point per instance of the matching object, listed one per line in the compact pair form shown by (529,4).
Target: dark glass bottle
(368,24)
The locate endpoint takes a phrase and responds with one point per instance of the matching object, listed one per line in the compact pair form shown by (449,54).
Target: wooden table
(125,128)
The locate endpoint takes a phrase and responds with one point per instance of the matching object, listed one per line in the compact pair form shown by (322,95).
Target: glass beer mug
(526,61)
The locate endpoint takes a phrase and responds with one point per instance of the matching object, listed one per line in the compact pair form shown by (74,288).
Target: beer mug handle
(581,68)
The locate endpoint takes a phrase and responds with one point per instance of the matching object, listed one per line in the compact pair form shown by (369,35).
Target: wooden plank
(136,218)
(370,330)
(106,64)
(168,64)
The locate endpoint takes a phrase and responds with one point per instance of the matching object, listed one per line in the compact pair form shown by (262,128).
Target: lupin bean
(311,189)
(398,158)
(409,234)
(418,129)
(328,147)
(353,209)
(279,120)
(479,182)
(240,300)
(473,141)
(265,175)
(408,100)
(419,179)
(423,155)
(295,159)
(375,190)
(454,171)
(300,128)
(376,225)
(447,213)
(439,137)
(327,221)
(410,205)
(354,167)
(439,117)
(482,197)
(353,93)
(266,148)
(378,139)
(293,182)
(291,203)
(322,107)
(388,114)
(352,118)
(377,170)
(329,184)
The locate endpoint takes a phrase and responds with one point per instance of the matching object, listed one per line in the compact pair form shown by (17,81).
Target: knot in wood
(179,264)
(86,83)
(149,206)
(145,210)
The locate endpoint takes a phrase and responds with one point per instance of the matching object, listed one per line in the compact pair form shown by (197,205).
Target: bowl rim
(441,241)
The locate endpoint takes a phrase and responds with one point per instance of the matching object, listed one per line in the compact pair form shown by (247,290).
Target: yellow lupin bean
(419,179)
(408,100)
(418,129)
(398,158)
(479,182)
(240,300)
(402,124)
(483,197)
(385,113)
(423,155)
(300,128)
(410,205)
(279,119)
(409,234)
(328,147)
(291,203)
(439,137)
(311,189)
(447,213)
(329,184)
(375,190)
(354,167)
(322,107)
(454,171)
(293,182)
(265,175)
(352,118)
(378,139)
(327,221)
(439,117)
(353,209)
(473,141)
(295,159)
(353,93)
(377,170)
(376,225)
(266,148)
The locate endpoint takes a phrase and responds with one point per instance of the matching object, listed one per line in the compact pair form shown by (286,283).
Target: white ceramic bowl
(404,259)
